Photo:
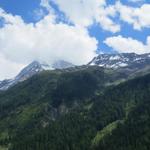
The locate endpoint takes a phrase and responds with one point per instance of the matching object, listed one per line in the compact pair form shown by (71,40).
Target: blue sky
(72,30)
(26,9)
(23,8)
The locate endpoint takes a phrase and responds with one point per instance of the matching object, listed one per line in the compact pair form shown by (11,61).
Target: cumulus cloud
(45,4)
(46,40)
(80,12)
(138,17)
(103,18)
(128,45)
(136,1)
(8,68)
(86,12)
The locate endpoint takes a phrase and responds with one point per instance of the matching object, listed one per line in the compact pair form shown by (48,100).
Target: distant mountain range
(124,62)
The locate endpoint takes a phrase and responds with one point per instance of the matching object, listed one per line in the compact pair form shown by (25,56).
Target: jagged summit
(32,69)
(121,60)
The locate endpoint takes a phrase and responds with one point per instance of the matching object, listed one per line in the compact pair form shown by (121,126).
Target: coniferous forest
(85,108)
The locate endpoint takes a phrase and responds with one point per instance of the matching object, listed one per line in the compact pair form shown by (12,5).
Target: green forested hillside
(76,110)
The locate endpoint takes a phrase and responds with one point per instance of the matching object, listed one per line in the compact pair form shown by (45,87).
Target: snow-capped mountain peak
(61,64)
(121,60)
(32,69)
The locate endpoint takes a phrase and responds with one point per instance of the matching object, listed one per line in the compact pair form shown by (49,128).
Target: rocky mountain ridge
(32,69)
(121,60)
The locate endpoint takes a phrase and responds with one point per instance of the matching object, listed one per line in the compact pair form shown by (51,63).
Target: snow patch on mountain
(115,58)
(120,60)
(61,64)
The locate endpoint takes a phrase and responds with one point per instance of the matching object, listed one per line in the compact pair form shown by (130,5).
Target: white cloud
(45,4)
(38,14)
(86,12)
(128,45)
(103,18)
(46,40)
(81,12)
(138,17)
(8,68)
(136,1)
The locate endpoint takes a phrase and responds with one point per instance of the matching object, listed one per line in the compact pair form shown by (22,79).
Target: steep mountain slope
(34,68)
(32,105)
(27,72)
(130,65)
(74,109)
(132,130)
